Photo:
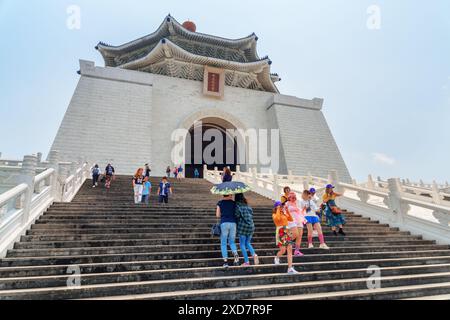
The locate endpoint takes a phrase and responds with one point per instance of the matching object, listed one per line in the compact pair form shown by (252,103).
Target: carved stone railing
(432,193)
(22,205)
(388,204)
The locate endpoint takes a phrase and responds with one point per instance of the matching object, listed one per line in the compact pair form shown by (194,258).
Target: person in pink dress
(296,227)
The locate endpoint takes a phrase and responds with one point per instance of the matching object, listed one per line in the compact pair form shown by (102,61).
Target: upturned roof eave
(171,26)
(168,50)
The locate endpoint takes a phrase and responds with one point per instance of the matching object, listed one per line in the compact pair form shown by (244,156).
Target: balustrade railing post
(27,174)
(395,203)
(205,171)
(238,172)
(435,193)
(334,180)
(276,187)
(370,183)
(290,176)
(53,159)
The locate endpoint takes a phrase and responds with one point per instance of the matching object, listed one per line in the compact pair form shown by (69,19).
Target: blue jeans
(246,243)
(227,236)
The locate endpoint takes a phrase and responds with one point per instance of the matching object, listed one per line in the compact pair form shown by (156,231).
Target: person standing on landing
(245,228)
(147,170)
(225,212)
(297,225)
(138,185)
(168,171)
(313,221)
(227,176)
(335,217)
(164,190)
(281,218)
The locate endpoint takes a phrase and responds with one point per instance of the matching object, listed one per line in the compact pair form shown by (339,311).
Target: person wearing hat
(282,218)
(335,218)
(296,226)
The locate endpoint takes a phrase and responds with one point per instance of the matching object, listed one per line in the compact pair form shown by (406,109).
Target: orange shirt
(282,219)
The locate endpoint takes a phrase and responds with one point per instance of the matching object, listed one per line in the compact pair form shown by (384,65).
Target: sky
(382,67)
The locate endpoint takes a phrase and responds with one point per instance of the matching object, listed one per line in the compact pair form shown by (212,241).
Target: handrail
(12,193)
(44,175)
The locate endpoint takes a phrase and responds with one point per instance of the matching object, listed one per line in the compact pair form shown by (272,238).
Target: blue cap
(277,204)
(330,186)
(312,190)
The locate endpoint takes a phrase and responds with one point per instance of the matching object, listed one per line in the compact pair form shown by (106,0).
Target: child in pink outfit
(297,225)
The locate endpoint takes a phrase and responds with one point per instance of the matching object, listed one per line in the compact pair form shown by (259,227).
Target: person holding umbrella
(225,212)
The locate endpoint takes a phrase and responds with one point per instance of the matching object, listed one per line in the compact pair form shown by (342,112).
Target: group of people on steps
(290,216)
(235,216)
(142,187)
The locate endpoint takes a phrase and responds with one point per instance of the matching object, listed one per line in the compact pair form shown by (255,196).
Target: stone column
(27,175)
(370,184)
(334,179)
(39,157)
(435,193)
(53,160)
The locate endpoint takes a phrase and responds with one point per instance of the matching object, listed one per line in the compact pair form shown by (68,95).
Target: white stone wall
(108,119)
(128,117)
(307,142)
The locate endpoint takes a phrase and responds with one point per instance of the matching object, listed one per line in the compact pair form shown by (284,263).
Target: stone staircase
(124,251)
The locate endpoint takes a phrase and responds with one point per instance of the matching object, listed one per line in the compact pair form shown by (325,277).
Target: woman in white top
(310,210)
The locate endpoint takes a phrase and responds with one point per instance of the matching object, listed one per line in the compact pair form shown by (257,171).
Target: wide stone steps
(127,251)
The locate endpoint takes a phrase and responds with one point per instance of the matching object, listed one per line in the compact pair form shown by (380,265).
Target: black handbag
(216,231)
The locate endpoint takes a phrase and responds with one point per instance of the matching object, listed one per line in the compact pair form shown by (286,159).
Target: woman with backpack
(334,215)
(245,228)
(95,175)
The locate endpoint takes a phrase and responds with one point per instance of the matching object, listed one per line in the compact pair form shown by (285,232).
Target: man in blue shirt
(164,190)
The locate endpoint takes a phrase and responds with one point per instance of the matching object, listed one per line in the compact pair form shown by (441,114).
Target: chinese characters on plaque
(214,82)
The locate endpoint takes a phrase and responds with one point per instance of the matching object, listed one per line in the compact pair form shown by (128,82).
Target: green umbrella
(229,188)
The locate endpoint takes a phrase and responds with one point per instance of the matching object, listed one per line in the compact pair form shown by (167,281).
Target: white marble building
(127,111)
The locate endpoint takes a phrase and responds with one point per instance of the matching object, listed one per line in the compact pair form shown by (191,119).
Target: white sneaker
(324,246)
(276,261)
(93,186)
(310,246)
(292,271)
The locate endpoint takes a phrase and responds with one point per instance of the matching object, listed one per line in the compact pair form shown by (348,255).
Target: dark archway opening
(226,157)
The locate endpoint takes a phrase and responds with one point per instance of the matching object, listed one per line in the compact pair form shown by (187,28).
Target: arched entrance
(211,141)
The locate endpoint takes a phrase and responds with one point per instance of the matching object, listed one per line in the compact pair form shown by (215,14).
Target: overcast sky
(386,82)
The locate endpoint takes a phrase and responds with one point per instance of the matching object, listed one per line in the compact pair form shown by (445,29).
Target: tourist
(175,173)
(109,175)
(312,220)
(296,226)
(196,174)
(164,190)
(180,172)
(315,199)
(147,170)
(245,228)
(282,218)
(147,190)
(227,176)
(95,175)
(138,185)
(334,215)
(225,211)
(168,171)
(285,196)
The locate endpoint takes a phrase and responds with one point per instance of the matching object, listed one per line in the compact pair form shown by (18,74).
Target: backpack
(216,231)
